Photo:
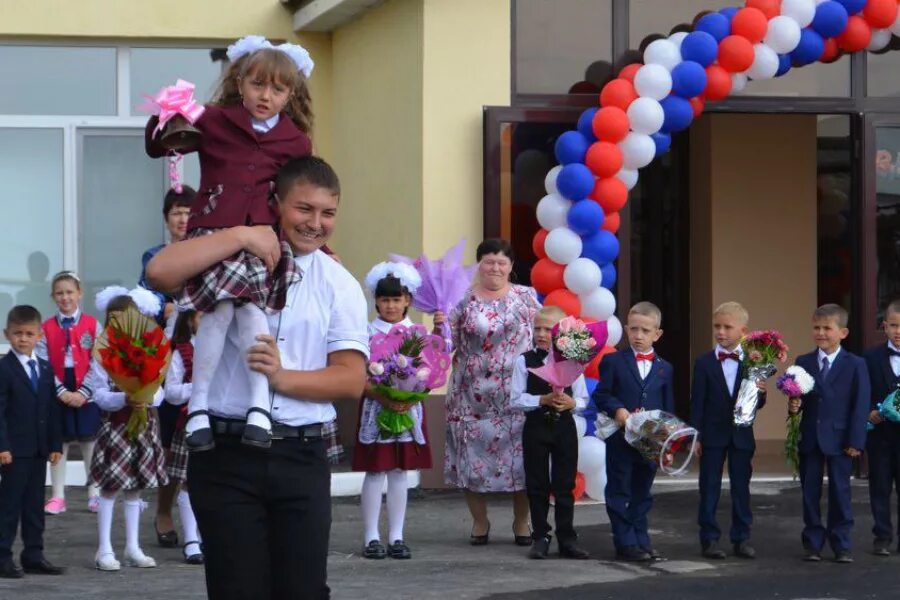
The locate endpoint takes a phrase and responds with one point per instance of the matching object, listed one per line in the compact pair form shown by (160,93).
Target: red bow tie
(723,356)
(649,357)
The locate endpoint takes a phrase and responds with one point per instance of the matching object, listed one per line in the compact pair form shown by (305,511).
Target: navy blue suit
(834,418)
(712,415)
(629,475)
(882,445)
(30,429)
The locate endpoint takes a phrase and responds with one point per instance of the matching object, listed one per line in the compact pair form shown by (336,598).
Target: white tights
(58,471)
(132,502)
(370,500)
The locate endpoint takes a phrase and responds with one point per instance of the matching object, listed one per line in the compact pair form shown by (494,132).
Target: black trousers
(265,517)
(22,500)
(543,442)
(883,448)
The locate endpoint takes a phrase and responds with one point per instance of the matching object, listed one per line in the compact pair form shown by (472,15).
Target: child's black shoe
(539,548)
(375,550)
(399,550)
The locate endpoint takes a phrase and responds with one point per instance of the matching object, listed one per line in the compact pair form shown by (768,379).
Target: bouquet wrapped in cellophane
(761,350)
(406,363)
(135,354)
(662,438)
(795,382)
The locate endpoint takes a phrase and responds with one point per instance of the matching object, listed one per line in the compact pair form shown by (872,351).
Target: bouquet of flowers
(662,438)
(889,409)
(761,350)
(794,383)
(406,363)
(135,353)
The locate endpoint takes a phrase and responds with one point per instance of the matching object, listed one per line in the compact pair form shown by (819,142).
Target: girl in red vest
(260,118)
(68,341)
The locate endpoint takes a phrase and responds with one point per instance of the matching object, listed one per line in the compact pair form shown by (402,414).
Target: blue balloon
(830,20)
(585,217)
(678,114)
(571,148)
(729,12)
(601,247)
(608,272)
(591,384)
(663,142)
(688,79)
(809,50)
(784,64)
(853,6)
(700,47)
(575,181)
(540,297)
(715,24)
(586,124)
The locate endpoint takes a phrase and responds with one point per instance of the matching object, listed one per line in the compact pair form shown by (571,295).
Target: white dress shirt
(266,126)
(730,367)
(177,391)
(325,313)
(894,360)
(104,395)
(831,358)
(523,400)
(644,366)
(24,359)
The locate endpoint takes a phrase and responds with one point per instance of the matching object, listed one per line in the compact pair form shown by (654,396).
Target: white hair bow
(408,276)
(252,43)
(146,301)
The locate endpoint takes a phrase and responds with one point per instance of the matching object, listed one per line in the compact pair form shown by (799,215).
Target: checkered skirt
(242,277)
(334,450)
(177,459)
(121,464)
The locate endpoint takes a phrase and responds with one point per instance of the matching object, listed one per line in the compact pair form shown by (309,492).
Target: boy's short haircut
(174,198)
(23,314)
(833,311)
(306,169)
(647,309)
(551,313)
(734,309)
(892,308)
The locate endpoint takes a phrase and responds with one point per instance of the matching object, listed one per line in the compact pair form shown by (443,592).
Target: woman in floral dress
(491,326)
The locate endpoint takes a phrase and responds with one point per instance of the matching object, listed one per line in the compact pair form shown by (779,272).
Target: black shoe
(399,550)
(539,548)
(42,567)
(632,554)
(812,555)
(196,558)
(711,550)
(654,555)
(256,436)
(522,540)
(480,540)
(570,550)
(168,539)
(201,439)
(881,548)
(9,570)
(375,550)
(843,556)
(744,550)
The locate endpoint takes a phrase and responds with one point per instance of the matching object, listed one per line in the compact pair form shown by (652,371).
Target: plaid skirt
(334,450)
(121,464)
(177,458)
(241,277)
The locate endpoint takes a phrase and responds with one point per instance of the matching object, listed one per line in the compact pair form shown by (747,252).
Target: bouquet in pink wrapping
(575,344)
(404,365)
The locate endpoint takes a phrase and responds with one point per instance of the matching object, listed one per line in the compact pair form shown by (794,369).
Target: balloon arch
(641,109)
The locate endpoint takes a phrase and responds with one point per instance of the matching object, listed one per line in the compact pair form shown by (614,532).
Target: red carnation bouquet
(135,353)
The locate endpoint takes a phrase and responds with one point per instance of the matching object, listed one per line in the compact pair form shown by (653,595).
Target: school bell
(180,136)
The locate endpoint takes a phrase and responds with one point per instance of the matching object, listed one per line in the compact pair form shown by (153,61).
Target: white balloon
(653,81)
(552,211)
(783,34)
(591,455)
(582,276)
(678,37)
(562,245)
(629,177)
(638,150)
(765,63)
(580,425)
(738,82)
(614,329)
(599,304)
(801,11)
(646,116)
(550,179)
(895,28)
(880,39)
(595,483)
(662,52)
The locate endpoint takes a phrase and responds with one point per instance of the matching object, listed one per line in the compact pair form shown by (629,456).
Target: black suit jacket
(883,381)
(30,422)
(712,406)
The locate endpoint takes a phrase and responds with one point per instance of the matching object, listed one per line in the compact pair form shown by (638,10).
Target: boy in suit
(832,433)
(630,380)
(30,432)
(717,379)
(883,442)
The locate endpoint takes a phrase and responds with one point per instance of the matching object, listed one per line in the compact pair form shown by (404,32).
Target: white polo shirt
(326,312)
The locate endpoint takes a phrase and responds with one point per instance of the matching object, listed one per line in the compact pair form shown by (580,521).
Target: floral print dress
(483,450)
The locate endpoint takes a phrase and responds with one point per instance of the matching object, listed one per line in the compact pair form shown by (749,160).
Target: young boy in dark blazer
(717,379)
(832,433)
(883,442)
(630,380)
(30,433)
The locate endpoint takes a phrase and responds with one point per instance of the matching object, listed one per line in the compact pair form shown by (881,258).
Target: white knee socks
(58,474)
(208,347)
(104,523)
(188,521)
(251,322)
(396,504)
(370,502)
(87,454)
(132,511)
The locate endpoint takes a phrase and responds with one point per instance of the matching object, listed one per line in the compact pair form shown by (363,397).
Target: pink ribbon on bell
(174,100)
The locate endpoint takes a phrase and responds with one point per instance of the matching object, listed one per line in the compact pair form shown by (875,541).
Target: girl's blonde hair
(270,65)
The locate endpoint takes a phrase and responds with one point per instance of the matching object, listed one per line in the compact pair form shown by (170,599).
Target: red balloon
(612,222)
(750,23)
(856,36)
(718,83)
(880,14)
(547,276)
(611,124)
(698,105)
(610,193)
(564,299)
(736,53)
(618,92)
(630,71)
(593,368)
(604,159)
(537,244)
(832,51)
(770,8)
(578,490)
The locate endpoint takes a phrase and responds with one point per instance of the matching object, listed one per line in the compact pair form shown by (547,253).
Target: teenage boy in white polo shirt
(265,515)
